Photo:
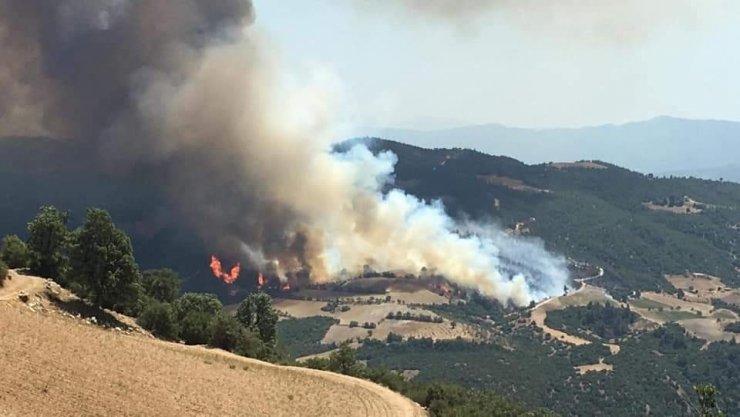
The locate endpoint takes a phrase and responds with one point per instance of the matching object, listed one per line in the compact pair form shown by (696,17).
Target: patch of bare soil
(597,367)
(703,288)
(539,314)
(419,330)
(708,329)
(677,304)
(17,283)
(511,183)
(689,206)
(579,164)
(54,364)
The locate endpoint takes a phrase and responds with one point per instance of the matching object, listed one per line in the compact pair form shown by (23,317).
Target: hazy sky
(568,63)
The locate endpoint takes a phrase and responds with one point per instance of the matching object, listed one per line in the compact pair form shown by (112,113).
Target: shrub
(159,318)
(195,312)
(228,334)
(195,327)
(14,252)
(161,284)
(197,302)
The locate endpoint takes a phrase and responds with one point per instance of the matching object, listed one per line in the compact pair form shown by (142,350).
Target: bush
(197,302)
(228,334)
(161,284)
(195,327)
(14,252)
(394,338)
(3,272)
(225,332)
(195,312)
(159,318)
(344,361)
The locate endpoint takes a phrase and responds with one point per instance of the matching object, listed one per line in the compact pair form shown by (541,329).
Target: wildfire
(444,288)
(285,287)
(227,277)
(260,280)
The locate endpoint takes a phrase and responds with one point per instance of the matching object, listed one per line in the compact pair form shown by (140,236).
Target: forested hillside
(589,214)
(593,214)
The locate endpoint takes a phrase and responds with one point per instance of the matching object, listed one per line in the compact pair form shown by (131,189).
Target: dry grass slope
(54,365)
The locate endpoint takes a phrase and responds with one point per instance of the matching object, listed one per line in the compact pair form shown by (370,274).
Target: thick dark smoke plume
(187,91)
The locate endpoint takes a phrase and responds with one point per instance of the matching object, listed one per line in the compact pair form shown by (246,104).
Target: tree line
(96,262)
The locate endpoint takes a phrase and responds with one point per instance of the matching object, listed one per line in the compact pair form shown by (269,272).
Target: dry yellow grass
(422,297)
(418,330)
(539,314)
(675,303)
(53,365)
(584,295)
(339,333)
(708,329)
(597,367)
(361,313)
(587,294)
(581,164)
(703,288)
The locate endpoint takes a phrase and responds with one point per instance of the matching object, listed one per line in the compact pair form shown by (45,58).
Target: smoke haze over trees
(197,102)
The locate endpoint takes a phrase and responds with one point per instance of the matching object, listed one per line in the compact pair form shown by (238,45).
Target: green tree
(195,313)
(48,244)
(14,252)
(102,261)
(161,284)
(159,318)
(195,327)
(228,333)
(197,302)
(257,314)
(344,361)
(708,406)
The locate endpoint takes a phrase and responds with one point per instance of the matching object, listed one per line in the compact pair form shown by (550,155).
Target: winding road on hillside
(539,314)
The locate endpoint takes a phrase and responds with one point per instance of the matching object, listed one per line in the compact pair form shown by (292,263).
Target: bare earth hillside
(53,364)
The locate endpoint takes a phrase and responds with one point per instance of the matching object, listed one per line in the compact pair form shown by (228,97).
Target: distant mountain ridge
(725,172)
(660,145)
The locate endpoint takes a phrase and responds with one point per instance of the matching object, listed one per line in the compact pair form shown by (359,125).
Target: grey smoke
(595,22)
(188,91)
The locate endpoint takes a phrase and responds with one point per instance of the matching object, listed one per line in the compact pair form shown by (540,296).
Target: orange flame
(285,287)
(227,277)
(260,280)
(444,288)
